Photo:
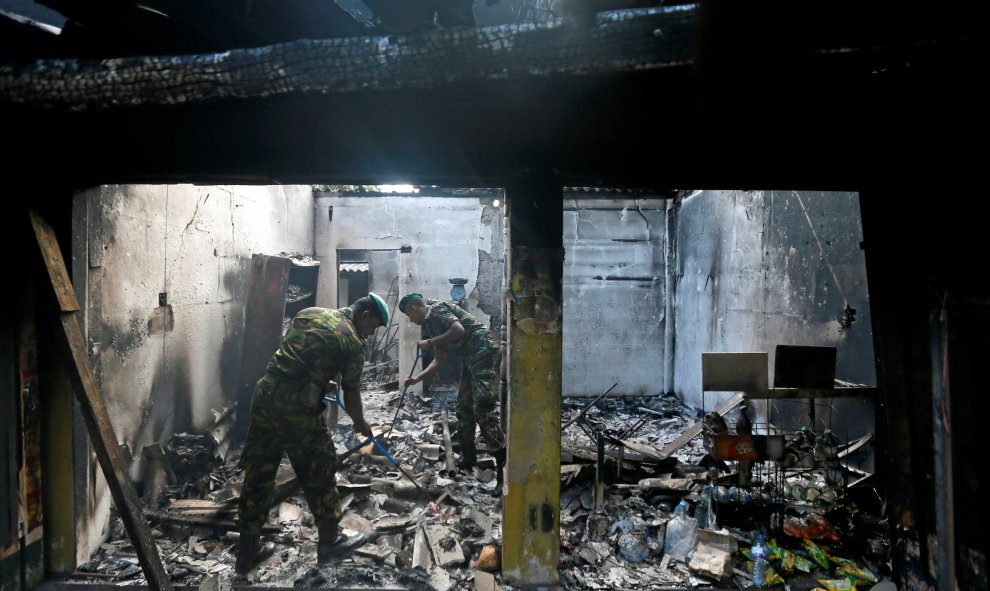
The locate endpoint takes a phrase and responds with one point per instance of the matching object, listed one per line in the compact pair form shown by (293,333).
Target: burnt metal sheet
(734,372)
(262,326)
(354,267)
(804,367)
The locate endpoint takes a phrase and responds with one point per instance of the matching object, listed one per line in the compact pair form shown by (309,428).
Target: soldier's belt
(303,392)
(276,380)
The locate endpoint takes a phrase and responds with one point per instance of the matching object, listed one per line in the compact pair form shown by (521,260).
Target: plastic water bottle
(703,509)
(681,508)
(760,562)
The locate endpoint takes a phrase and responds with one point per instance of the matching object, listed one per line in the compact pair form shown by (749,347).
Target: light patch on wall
(398,189)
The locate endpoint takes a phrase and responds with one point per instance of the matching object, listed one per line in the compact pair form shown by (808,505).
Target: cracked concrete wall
(164,364)
(762,268)
(614,292)
(447,236)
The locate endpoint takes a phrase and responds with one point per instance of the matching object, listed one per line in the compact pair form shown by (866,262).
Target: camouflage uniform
(477,394)
(287,415)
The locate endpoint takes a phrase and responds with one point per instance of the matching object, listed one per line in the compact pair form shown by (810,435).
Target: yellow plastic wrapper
(788,559)
(775,550)
(837,584)
(850,568)
(830,554)
(772,578)
(803,564)
(816,553)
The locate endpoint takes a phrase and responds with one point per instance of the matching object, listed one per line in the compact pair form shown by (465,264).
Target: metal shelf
(841,392)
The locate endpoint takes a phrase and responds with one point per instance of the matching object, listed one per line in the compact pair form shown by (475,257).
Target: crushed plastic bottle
(760,562)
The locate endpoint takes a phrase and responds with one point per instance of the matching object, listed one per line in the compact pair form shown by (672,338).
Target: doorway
(363,271)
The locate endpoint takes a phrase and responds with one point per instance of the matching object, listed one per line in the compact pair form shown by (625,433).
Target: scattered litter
(657,481)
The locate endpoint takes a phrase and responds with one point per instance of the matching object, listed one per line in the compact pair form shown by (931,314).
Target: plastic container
(682,534)
(760,562)
(632,547)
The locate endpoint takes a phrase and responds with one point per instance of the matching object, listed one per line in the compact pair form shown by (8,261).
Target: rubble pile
(642,507)
(675,517)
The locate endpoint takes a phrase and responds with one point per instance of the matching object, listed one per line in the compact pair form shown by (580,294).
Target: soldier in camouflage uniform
(287,416)
(456,331)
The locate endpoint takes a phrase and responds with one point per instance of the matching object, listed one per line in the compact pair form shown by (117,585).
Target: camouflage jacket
(440,315)
(319,344)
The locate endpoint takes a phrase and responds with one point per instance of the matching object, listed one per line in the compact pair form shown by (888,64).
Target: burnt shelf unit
(301,289)
(802,372)
(278,288)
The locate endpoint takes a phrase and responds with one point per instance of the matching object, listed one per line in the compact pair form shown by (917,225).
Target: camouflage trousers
(283,421)
(478,394)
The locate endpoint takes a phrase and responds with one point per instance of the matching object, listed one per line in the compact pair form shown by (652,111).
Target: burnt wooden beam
(212,521)
(448,448)
(692,431)
(587,407)
(604,130)
(600,472)
(101,432)
(619,41)
(572,453)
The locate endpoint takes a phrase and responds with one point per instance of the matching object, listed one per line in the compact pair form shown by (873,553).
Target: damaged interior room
(490,295)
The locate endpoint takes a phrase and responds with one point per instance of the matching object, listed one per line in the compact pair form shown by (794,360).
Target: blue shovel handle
(381,447)
(384,451)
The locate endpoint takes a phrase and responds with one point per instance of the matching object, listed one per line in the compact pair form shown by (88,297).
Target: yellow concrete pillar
(531,506)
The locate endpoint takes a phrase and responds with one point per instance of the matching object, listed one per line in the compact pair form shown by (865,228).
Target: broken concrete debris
(453,541)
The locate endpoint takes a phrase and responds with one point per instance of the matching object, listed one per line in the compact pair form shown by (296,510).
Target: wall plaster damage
(650,284)
(165,274)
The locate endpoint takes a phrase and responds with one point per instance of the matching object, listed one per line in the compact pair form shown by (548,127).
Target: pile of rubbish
(642,507)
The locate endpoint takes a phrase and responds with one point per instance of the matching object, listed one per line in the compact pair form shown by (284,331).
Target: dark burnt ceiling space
(478,107)
(868,99)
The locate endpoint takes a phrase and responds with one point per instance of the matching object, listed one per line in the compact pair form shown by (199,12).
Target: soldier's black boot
(333,543)
(250,551)
(247,553)
(468,457)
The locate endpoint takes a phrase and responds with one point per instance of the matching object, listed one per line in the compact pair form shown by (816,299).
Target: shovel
(403,395)
(378,444)
(336,399)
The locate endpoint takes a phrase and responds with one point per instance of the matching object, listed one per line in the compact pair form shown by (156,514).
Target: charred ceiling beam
(619,41)
(823,123)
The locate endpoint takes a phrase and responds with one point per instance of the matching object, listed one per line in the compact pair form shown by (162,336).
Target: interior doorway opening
(360,272)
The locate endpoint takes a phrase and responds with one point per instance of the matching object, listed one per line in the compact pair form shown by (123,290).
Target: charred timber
(619,41)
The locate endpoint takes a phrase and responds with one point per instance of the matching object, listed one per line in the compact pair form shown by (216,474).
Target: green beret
(380,306)
(407,298)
